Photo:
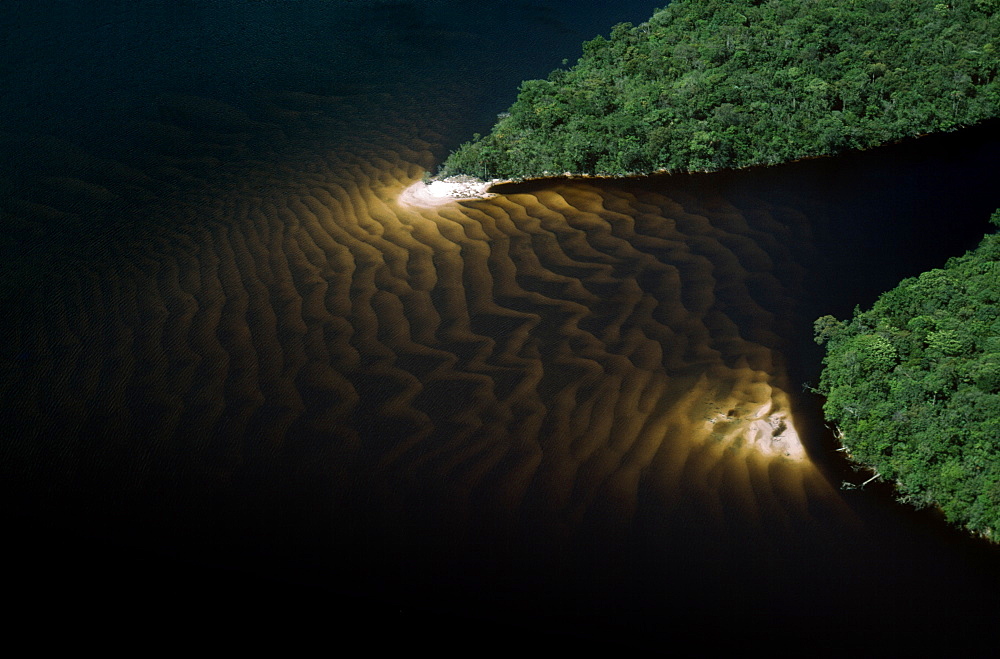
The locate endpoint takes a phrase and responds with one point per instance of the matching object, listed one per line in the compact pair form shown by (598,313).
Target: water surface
(235,360)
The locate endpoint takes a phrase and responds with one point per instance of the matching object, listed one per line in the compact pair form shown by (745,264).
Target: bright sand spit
(443,191)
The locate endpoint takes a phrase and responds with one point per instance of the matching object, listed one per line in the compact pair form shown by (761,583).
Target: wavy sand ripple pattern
(560,362)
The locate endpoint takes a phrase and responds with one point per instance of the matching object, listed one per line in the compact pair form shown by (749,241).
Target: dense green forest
(913,385)
(712,84)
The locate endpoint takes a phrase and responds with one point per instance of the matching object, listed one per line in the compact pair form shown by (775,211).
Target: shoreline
(443,191)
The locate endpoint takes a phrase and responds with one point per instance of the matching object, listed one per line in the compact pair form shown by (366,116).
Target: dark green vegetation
(712,84)
(914,386)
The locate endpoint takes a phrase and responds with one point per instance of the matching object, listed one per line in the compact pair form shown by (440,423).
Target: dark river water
(243,376)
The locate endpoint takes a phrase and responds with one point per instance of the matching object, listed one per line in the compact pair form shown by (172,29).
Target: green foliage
(711,84)
(914,386)
(827,328)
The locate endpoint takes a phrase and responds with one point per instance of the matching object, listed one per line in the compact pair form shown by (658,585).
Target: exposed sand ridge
(443,191)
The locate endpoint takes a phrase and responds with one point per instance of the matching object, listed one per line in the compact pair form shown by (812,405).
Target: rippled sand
(527,366)
(249,372)
(567,404)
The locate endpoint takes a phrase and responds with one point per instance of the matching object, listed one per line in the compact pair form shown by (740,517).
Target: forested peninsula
(913,386)
(714,84)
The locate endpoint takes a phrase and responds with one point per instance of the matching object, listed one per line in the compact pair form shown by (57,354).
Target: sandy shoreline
(443,191)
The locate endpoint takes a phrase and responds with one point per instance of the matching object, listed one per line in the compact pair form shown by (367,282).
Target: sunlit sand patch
(763,427)
(445,191)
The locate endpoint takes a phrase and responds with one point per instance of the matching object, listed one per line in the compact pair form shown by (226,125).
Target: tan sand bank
(443,191)
(768,429)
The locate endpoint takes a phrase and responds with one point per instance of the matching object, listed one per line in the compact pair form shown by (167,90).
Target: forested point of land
(913,386)
(714,84)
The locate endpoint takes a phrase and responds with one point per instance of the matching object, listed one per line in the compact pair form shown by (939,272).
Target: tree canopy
(713,84)
(913,385)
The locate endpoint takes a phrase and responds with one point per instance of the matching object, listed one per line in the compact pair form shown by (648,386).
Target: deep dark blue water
(240,376)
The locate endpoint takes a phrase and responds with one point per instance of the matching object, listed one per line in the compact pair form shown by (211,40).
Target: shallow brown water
(576,405)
